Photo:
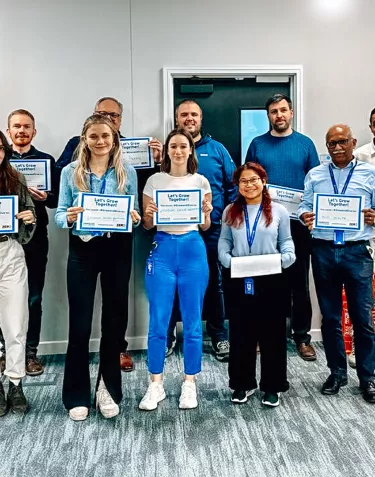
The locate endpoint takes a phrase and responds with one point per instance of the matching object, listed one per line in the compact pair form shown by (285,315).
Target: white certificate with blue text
(339,212)
(137,152)
(37,172)
(8,211)
(105,213)
(289,198)
(178,207)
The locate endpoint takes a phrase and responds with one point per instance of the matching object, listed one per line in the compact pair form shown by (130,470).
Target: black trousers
(253,319)
(112,258)
(36,255)
(298,300)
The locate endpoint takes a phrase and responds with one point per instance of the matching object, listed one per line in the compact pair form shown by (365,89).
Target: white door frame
(295,72)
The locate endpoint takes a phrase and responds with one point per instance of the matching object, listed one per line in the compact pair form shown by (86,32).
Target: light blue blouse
(276,238)
(68,196)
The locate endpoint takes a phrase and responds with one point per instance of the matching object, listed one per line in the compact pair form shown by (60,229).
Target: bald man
(344,258)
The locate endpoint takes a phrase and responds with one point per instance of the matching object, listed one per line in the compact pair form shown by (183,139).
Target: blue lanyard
(334,184)
(103,184)
(251,235)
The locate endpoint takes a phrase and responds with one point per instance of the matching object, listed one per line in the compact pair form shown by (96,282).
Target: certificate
(8,211)
(255,265)
(137,152)
(105,213)
(339,212)
(289,198)
(178,207)
(37,172)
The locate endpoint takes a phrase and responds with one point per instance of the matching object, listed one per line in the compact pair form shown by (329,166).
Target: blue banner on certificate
(178,207)
(37,172)
(339,212)
(289,198)
(105,213)
(137,152)
(8,211)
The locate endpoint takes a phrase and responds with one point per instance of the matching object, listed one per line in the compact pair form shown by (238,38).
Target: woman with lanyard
(14,311)
(99,169)
(253,225)
(177,259)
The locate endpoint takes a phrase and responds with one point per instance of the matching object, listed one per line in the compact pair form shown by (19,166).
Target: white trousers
(14,311)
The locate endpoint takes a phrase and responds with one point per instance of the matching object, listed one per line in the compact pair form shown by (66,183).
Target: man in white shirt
(366,153)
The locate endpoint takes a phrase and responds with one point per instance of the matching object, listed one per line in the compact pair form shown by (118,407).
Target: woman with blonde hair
(99,169)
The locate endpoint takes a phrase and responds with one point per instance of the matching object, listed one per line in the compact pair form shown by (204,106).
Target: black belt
(349,243)
(4,238)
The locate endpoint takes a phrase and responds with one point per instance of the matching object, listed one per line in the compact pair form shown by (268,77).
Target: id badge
(150,266)
(249,286)
(339,237)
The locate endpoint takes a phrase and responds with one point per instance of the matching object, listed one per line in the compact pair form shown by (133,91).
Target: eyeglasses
(340,142)
(110,115)
(251,181)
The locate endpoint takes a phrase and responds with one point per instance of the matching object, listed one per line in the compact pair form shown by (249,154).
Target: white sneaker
(188,398)
(79,413)
(351,359)
(105,403)
(155,393)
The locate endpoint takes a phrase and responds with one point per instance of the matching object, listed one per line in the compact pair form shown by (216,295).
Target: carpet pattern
(308,435)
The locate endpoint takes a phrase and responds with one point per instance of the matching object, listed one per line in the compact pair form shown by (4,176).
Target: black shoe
(368,392)
(333,384)
(3,401)
(16,399)
(271,399)
(240,396)
(221,350)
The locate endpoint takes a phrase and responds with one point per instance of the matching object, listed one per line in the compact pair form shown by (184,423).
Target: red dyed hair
(235,216)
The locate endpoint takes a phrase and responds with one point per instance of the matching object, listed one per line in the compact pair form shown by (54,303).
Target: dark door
(222,107)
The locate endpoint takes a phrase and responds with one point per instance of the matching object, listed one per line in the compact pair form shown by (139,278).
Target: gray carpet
(308,435)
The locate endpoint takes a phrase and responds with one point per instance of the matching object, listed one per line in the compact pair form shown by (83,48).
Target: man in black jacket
(21,131)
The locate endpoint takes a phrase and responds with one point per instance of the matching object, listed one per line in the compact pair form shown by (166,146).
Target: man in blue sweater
(215,163)
(288,156)
(21,130)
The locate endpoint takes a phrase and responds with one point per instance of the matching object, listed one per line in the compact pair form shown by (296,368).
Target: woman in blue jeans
(177,260)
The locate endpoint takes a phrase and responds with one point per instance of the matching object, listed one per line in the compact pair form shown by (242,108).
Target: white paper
(8,210)
(105,212)
(289,198)
(37,172)
(136,151)
(255,265)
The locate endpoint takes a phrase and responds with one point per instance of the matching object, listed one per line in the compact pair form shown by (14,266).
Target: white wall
(57,57)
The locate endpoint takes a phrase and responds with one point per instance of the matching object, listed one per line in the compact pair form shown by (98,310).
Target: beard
(21,140)
(281,127)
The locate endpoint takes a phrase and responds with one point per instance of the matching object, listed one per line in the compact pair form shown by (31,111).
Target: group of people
(187,272)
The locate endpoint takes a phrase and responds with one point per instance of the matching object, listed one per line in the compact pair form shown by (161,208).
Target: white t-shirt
(366,153)
(162,180)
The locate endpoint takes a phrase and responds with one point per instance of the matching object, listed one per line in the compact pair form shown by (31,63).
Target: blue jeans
(179,262)
(350,265)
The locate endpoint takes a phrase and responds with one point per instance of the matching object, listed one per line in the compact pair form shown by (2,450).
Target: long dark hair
(192,163)
(10,179)
(235,217)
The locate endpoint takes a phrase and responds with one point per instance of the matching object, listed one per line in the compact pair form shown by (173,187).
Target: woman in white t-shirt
(177,260)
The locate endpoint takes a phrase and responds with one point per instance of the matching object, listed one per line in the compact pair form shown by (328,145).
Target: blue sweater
(276,238)
(286,159)
(216,165)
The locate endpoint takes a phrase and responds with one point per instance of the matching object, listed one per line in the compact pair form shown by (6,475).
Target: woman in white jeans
(14,313)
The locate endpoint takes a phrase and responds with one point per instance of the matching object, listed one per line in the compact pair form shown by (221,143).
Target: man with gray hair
(343,257)
(112,109)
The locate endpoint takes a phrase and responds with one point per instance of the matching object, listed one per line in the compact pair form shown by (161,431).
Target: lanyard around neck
(251,234)
(333,180)
(103,181)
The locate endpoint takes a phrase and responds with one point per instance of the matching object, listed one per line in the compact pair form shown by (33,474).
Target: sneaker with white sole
(105,403)
(79,413)
(221,350)
(154,394)
(271,399)
(351,357)
(188,398)
(240,396)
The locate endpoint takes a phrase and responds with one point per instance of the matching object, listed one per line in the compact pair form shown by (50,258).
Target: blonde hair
(83,155)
